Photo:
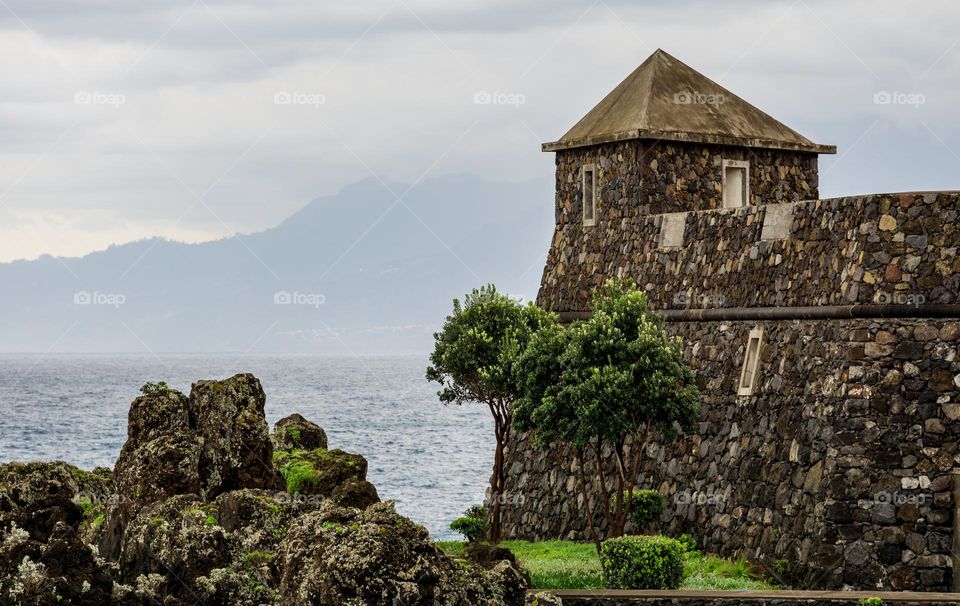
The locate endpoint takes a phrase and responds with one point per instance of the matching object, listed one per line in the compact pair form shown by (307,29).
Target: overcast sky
(127,119)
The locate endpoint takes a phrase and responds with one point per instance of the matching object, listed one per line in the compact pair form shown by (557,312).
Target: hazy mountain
(358,271)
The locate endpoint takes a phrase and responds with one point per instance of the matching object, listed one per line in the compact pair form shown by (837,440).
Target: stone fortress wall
(877,249)
(839,470)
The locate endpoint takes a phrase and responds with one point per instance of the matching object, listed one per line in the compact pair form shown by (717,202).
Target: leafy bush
(689,544)
(642,562)
(155,389)
(472,525)
(647,506)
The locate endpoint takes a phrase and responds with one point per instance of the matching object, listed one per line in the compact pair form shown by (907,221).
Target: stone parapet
(883,249)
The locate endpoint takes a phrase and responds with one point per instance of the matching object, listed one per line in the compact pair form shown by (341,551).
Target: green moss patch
(300,475)
(317,471)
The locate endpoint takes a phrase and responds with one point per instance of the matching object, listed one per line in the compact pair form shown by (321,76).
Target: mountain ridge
(365,270)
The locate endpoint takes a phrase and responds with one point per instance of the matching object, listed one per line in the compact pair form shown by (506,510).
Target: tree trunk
(623,485)
(586,500)
(502,418)
(496,488)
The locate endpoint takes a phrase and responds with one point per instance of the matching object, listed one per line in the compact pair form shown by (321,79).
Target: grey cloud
(399,102)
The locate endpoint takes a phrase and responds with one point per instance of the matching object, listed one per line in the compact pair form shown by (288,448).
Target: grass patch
(711,572)
(569,565)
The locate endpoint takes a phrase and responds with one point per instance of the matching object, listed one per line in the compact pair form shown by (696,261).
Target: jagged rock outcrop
(295,432)
(339,555)
(237,452)
(200,509)
(43,558)
(336,474)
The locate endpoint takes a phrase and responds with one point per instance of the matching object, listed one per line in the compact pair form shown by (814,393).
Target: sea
(432,459)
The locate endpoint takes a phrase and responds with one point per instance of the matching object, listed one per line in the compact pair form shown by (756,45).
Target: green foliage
(475,360)
(642,562)
(472,525)
(604,381)
(710,572)
(294,433)
(689,543)
(334,526)
(646,506)
(93,513)
(569,565)
(606,377)
(210,520)
(871,601)
(87,506)
(155,389)
(280,456)
(476,511)
(475,352)
(299,474)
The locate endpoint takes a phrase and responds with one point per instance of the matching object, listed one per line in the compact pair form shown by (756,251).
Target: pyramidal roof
(665,99)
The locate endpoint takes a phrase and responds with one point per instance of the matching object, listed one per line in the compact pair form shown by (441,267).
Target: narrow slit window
(589,195)
(751,361)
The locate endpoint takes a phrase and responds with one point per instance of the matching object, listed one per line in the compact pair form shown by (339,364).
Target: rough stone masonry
(838,468)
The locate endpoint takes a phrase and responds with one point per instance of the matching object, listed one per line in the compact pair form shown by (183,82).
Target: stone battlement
(879,249)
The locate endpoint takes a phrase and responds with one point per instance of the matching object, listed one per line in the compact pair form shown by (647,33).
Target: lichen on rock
(336,474)
(200,509)
(338,555)
(295,432)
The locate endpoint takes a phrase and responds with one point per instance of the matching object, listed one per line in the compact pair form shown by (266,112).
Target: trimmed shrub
(642,562)
(472,525)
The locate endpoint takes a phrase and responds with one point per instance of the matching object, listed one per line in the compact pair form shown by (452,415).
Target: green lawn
(568,565)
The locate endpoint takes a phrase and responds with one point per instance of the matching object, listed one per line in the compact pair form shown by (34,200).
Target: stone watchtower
(666,140)
(824,334)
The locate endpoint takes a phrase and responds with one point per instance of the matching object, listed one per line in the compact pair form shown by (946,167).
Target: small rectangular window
(736,183)
(589,195)
(751,361)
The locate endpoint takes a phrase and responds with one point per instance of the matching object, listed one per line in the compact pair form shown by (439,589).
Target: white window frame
(752,363)
(745,165)
(592,170)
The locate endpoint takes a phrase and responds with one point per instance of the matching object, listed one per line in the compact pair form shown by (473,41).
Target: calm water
(433,460)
